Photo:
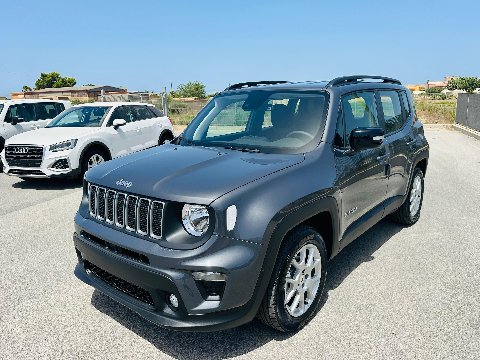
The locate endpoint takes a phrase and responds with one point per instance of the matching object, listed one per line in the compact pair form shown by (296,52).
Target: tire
(409,212)
(274,310)
(89,155)
(164,137)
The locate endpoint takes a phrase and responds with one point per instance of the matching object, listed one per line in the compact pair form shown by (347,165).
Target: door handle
(382,158)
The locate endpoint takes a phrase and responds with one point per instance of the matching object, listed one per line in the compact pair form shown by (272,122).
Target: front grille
(136,214)
(119,284)
(24,155)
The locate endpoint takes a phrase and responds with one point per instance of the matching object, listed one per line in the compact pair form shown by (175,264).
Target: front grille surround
(136,214)
(30,156)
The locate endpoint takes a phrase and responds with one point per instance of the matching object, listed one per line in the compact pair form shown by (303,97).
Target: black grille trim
(119,250)
(124,286)
(24,155)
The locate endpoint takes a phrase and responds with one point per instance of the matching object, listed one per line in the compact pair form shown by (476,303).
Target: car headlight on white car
(195,219)
(64,145)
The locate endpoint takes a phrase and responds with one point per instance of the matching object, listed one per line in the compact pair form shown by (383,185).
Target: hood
(187,173)
(49,136)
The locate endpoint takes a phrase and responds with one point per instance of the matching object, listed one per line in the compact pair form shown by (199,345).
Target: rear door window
(45,111)
(392,111)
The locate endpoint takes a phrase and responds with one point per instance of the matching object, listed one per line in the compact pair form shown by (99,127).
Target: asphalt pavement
(395,293)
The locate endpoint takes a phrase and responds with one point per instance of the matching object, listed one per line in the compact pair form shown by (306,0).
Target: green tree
(53,80)
(26,88)
(433,90)
(191,89)
(468,84)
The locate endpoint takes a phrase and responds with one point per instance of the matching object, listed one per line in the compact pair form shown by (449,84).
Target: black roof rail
(254,83)
(343,80)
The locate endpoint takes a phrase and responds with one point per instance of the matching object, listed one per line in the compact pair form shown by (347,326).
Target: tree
(26,88)
(468,84)
(53,80)
(191,89)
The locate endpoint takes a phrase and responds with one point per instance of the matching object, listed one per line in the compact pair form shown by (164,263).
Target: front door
(361,174)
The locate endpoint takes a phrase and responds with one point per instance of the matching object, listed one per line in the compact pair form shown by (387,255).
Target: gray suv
(239,215)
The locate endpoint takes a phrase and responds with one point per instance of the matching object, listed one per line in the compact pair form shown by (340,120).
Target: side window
(140,112)
(231,119)
(359,110)
(339,139)
(156,112)
(45,111)
(121,112)
(392,111)
(60,107)
(23,113)
(406,105)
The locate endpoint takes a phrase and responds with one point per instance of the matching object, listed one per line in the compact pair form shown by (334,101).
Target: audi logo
(20,150)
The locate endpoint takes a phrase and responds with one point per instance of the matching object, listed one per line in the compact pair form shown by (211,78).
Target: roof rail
(253,83)
(343,80)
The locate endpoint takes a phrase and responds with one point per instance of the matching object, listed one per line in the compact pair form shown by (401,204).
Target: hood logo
(124,183)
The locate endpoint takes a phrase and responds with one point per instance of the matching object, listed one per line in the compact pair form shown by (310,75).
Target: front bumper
(141,275)
(46,169)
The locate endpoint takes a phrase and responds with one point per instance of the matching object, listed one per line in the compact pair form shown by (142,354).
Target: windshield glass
(91,116)
(260,120)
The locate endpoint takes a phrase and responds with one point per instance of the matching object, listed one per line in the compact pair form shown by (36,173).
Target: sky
(146,45)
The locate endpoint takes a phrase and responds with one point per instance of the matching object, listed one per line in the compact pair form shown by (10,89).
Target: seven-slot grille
(136,214)
(24,155)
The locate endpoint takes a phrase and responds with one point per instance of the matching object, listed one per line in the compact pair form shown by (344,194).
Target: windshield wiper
(242,149)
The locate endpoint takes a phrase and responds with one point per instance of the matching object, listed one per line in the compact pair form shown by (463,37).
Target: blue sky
(145,45)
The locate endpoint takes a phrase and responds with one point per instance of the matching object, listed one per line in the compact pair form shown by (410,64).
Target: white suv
(84,136)
(18,116)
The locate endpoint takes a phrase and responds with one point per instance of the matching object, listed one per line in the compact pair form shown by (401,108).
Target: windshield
(261,121)
(90,116)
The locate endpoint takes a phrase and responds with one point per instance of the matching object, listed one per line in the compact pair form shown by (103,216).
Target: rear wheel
(92,158)
(409,212)
(293,295)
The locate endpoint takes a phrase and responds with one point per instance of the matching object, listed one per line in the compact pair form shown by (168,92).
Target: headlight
(64,145)
(195,219)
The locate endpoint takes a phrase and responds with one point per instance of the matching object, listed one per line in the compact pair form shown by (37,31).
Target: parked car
(85,136)
(239,215)
(18,116)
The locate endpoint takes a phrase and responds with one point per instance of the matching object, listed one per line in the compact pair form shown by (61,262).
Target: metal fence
(468,111)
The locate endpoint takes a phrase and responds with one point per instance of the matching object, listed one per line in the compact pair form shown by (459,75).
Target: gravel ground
(395,293)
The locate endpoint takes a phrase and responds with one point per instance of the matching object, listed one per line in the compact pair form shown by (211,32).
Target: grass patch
(436,111)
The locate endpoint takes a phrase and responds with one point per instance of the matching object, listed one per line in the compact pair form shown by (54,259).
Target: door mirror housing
(366,138)
(118,122)
(15,120)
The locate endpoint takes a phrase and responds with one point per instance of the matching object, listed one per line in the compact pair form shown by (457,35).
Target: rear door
(398,136)
(147,123)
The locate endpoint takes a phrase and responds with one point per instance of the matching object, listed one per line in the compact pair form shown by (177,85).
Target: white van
(18,116)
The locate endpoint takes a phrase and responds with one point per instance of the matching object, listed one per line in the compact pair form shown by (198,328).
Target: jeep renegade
(239,215)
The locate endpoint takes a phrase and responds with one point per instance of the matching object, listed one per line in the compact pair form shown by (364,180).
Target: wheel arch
(166,133)
(93,145)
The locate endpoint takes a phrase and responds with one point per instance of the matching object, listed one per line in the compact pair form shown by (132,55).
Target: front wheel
(92,158)
(409,212)
(293,295)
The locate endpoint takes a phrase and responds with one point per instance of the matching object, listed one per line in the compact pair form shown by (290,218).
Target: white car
(84,136)
(18,116)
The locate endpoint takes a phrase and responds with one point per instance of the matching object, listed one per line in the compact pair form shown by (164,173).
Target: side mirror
(118,122)
(366,138)
(16,120)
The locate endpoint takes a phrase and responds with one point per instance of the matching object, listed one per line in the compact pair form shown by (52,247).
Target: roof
(78,88)
(23,101)
(112,103)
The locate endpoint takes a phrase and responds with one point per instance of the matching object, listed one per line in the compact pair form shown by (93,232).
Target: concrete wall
(468,111)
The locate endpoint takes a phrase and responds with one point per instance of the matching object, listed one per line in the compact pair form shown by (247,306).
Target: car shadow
(48,184)
(246,338)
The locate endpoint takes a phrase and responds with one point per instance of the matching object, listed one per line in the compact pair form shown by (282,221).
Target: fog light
(173,301)
(208,276)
